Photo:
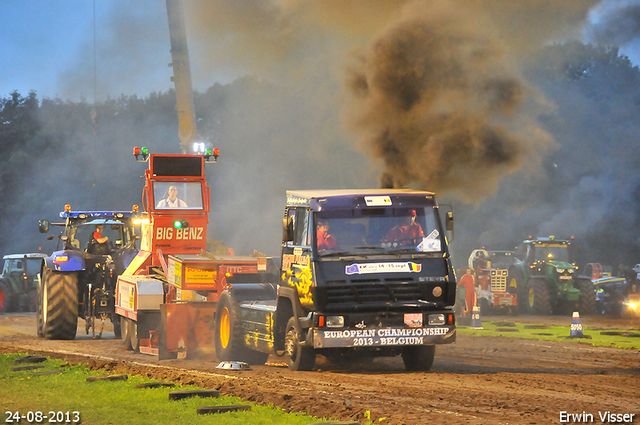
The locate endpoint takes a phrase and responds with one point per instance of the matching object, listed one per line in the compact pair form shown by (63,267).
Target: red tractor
(493,294)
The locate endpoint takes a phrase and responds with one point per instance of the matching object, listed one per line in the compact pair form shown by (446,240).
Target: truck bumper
(392,330)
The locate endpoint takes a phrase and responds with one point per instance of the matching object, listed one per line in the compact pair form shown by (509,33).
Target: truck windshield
(177,195)
(344,232)
(551,253)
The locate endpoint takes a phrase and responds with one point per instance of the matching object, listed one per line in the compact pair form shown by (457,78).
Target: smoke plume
(437,97)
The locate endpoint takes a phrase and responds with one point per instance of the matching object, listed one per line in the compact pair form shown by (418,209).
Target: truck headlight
(560,270)
(335,321)
(437,291)
(436,319)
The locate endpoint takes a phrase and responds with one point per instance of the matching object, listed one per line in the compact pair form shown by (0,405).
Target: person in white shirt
(172,201)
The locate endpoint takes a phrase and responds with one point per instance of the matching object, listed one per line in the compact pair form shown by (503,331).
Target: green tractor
(546,280)
(19,282)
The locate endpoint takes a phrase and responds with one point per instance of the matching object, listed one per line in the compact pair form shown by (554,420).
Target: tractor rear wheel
(418,358)
(39,304)
(59,305)
(516,285)
(297,355)
(6,296)
(537,299)
(587,303)
(230,345)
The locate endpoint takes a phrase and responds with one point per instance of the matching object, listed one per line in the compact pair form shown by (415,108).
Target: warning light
(67,208)
(135,209)
(215,153)
(181,224)
(137,152)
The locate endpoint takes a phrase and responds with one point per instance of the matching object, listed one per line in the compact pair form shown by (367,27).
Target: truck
(370,294)
(19,282)
(78,279)
(493,293)
(546,280)
(377,292)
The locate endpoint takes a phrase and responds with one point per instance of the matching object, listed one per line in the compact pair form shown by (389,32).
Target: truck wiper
(336,254)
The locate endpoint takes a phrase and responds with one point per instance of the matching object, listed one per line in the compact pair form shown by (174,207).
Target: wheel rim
(531,297)
(513,283)
(2,297)
(290,344)
(225,328)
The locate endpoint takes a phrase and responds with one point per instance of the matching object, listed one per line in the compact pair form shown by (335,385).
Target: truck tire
(298,356)
(537,298)
(418,358)
(59,305)
(117,328)
(132,326)
(6,297)
(230,345)
(124,334)
(516,278)
(587,303)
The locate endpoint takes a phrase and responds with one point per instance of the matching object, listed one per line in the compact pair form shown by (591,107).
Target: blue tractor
(79,278)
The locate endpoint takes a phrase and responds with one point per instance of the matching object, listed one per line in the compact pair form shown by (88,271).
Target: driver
(98,244)
(325,239)
(406,231)
(172,201)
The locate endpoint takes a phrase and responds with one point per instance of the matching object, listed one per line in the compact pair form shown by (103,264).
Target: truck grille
(371,291)
(499,280)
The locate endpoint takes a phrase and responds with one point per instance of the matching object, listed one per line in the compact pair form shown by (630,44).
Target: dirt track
(475,381)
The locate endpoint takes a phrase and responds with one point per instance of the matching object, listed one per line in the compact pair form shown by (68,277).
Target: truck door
(296,256)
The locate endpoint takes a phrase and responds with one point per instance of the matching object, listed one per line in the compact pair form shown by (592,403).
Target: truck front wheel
(298,356)
(228,334)
(59,305)
(418,358)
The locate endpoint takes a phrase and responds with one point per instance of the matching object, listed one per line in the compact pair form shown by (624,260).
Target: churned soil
(477,380)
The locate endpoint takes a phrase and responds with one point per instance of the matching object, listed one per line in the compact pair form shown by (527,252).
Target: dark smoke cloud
(439,103)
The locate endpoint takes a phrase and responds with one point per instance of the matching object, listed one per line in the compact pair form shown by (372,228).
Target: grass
(554,333)
(118,402)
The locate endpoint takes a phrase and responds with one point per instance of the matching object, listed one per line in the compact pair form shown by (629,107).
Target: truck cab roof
(359,198)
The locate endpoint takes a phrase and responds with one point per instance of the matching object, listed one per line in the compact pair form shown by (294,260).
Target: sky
(48,45)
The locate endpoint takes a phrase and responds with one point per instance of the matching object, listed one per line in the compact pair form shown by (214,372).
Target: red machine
(491,287)
(172,286)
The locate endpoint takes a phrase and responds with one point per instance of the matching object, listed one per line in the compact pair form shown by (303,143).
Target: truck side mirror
(449,221)
(287,229)
(43,226)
